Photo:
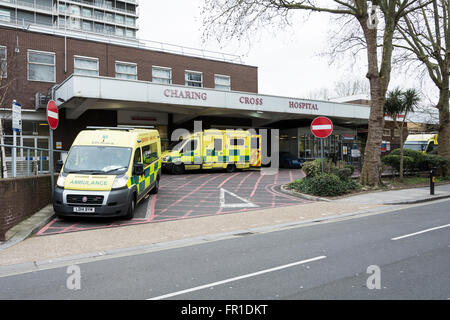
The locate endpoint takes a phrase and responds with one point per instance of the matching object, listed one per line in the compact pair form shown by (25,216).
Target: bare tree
(236,18)
(426,39)
(345,88)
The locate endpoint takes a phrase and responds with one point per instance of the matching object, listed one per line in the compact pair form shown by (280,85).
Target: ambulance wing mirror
(138,169)
(59,165)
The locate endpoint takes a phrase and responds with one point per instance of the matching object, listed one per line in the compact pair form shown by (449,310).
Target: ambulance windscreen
(98,160)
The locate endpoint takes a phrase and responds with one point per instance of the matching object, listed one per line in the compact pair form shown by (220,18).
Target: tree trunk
(443,107)
(401,150)
(371,170)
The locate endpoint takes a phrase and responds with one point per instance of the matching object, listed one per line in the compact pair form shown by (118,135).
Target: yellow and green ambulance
(421,142)
(214,149)
(107,172)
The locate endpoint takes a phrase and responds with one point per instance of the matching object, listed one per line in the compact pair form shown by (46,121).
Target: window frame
(4,76)
(386,131)
(162,68)
(42,64)
(149,146)
(86,58)
(186,82)
(126,63)
(222,76)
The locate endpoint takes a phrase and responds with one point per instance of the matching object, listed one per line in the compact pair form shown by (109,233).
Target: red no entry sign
(321,127)
(52,114)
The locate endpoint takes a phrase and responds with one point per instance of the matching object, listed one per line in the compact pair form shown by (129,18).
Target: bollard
(432,181)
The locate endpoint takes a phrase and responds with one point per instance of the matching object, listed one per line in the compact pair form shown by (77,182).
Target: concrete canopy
(81,93)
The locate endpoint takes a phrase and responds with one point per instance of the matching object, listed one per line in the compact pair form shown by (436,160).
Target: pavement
(24,247)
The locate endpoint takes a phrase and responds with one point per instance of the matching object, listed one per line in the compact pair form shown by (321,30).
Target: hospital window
(162,75)
(386,132)
(396,132)
(86,66)
(150,153)
(126,70)
(222,82)
(87,12)
(3,62)
(41,66)
(75,10)
(193,79)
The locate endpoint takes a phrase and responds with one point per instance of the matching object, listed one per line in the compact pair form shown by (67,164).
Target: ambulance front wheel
(231,168)
(178,169)
(131,207)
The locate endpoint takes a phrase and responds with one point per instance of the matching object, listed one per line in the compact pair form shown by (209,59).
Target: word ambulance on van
(107,172)
(214,149)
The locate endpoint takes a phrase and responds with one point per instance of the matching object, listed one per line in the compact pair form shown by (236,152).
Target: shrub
(393,161)
(326,185)
(312,168)
(418,158)
(438,162)
(344,173)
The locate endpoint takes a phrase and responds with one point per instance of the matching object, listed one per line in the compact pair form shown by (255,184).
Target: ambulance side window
(255,143)
(218,144)
(150,153)
(137,156)
(191,145)
(237,142)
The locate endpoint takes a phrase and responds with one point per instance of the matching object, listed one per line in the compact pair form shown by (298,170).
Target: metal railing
(28,165)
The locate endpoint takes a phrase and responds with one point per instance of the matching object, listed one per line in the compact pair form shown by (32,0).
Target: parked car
(288,160)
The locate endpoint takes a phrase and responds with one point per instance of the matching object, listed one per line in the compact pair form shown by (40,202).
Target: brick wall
(20,198)
(243,77)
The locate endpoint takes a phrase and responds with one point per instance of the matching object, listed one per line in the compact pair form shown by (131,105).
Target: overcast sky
(288,62)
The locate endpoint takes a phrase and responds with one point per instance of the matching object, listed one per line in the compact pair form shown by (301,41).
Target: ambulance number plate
(83,210)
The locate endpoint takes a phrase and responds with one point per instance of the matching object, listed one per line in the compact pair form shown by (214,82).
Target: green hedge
(324,185)
(327,185)
(416,161)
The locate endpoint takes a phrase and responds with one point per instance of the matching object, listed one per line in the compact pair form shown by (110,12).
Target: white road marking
(237,278)
(420,232)
(244,204)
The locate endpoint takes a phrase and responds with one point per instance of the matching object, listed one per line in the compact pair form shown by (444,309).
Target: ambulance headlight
(61,180)
(120,182)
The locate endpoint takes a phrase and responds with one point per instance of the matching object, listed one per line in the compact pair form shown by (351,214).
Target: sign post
(321,127)
(17,127)
(53,120)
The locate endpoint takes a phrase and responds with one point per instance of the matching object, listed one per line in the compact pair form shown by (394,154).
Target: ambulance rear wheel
(231,168)
(131,207)
(156,187)
(178,169)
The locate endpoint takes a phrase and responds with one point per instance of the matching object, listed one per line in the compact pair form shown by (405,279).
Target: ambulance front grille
(84,199)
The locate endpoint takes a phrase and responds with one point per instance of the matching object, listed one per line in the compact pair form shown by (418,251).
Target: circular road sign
(52,114)
(321,127)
